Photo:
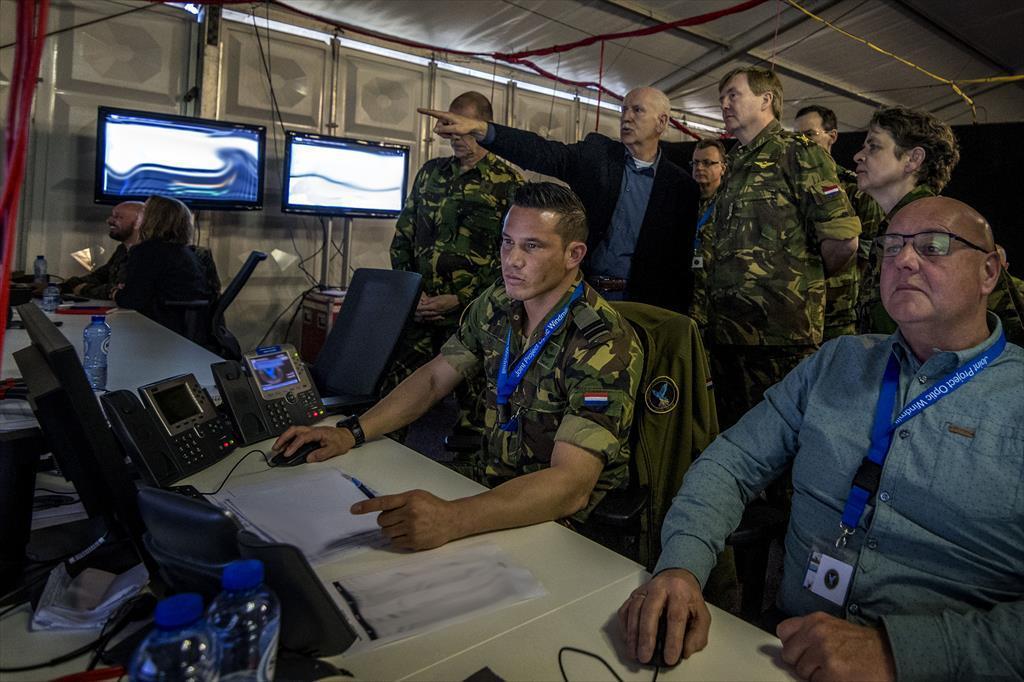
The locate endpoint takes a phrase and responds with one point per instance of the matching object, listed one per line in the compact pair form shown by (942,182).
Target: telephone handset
(172,432)
(270,391)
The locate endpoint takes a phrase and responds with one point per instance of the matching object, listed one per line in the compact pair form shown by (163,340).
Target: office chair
(358,351)
(674,420)
(222,341)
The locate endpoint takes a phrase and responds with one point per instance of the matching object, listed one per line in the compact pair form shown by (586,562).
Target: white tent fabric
(950,38)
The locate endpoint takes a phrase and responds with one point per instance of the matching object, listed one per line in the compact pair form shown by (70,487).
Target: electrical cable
(573,649)
(281,314)
(232,470)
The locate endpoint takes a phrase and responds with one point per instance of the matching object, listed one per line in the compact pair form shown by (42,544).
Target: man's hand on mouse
(677,593)
(822,646)
(333,441)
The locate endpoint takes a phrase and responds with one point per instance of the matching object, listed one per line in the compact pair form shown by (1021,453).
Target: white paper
(86,601)
(427,591)
(310,512)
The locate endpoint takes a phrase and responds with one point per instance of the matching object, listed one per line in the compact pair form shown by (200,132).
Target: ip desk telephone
(175,430)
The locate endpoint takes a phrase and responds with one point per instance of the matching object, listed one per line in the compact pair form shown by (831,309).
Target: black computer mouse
(280,460)
(658,657)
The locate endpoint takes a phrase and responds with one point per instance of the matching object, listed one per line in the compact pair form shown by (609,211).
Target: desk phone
(173,431)
(269,392)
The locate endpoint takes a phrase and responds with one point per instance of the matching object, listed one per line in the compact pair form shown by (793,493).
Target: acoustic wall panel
(380,98)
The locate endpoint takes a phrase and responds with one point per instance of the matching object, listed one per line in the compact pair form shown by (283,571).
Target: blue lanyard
(869,474)
(508,381)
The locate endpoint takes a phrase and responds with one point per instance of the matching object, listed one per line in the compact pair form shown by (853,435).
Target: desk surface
(141,351)
(585,585)
(585,582)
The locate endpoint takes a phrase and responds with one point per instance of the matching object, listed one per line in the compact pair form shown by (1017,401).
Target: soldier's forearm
(836,254)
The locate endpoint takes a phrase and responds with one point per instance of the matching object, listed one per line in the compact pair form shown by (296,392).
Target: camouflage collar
(919,192)
(514,308)
(768,132)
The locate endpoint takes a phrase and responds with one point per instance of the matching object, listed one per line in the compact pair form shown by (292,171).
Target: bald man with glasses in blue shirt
(903,553)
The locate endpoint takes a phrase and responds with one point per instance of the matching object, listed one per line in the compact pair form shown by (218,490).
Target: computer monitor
(74,426)
(337,176)
(207,164)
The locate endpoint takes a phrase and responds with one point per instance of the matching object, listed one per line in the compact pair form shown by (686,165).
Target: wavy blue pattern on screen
(235,179)
(349,185)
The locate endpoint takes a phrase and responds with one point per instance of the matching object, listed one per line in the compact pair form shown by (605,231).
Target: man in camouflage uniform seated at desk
(562,369)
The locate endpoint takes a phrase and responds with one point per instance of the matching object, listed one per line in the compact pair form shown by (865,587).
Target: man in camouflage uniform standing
(707,167)
(448,232)
(782,223)
(819,124)
(562,369)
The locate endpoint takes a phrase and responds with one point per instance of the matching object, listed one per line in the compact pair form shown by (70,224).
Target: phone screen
(177,404)
(274,371)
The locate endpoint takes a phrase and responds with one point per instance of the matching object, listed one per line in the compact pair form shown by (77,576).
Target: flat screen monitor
(345,177)
(74,426)
(206,164)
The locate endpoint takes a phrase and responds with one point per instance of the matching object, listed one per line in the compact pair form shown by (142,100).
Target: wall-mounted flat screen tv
(342,176)
(206,164)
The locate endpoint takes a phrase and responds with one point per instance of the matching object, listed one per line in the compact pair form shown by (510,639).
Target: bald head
(122,222)
(645,115)
(948,215)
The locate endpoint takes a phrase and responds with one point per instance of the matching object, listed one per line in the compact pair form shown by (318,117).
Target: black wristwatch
(354,427)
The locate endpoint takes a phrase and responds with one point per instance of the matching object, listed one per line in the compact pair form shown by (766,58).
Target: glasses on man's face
(702,163)
(812,132)
(927,244)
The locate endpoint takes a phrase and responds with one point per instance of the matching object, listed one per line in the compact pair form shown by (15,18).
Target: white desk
(141,351)
(586,583)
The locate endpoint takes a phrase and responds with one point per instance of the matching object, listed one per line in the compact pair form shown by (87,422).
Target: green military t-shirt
(580,389)
(762,282)
(449,230)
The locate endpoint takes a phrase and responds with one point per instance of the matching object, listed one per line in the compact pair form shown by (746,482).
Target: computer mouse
(280,460)
(658,657)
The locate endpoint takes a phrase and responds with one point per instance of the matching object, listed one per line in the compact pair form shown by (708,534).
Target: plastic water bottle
(181,647)
(247,618)
(96,341)
(39,270)
(51,298)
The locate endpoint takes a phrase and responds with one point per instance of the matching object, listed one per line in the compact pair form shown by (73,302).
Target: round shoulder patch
(662,395)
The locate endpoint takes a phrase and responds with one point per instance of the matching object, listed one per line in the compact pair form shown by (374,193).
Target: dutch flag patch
(595,400)
(830,190)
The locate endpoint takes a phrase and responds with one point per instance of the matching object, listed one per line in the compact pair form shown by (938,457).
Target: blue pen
(359,484)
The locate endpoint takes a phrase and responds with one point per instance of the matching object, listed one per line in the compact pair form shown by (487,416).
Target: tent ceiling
(818,65)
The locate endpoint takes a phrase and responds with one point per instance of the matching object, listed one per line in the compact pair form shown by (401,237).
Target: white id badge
(828,577)
(697,263)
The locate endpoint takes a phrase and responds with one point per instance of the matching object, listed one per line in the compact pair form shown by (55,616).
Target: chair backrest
(675,416)
(228,344)
(362,341)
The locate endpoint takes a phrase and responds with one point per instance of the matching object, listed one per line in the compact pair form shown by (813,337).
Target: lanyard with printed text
(508,381)
(698,260)
(869,474)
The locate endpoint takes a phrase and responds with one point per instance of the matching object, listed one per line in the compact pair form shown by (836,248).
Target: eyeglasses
(926,244)
(812,132)
(701,163)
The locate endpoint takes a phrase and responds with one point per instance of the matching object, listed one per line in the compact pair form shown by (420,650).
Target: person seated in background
(162,266)
(562,370)
(903,551)
(101,282)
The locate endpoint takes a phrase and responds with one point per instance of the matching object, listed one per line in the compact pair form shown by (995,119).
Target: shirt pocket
(754,220)
(978,468)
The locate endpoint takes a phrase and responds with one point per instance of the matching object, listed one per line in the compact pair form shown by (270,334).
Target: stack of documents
(86,601)
(310,512)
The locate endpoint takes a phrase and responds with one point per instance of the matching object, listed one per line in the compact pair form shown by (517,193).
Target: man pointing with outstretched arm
(562,368)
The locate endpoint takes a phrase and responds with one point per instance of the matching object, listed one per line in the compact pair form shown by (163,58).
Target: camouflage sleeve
(463,350)
(401,244)
(699,306)
(823,201)
(601,383)
(488,263)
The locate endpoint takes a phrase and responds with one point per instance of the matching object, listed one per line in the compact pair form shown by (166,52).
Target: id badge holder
(829,571)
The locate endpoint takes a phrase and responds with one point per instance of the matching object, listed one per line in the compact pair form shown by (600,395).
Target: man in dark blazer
(640,206)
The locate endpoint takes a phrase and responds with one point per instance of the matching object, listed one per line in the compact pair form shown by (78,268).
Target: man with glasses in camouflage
(903,552)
